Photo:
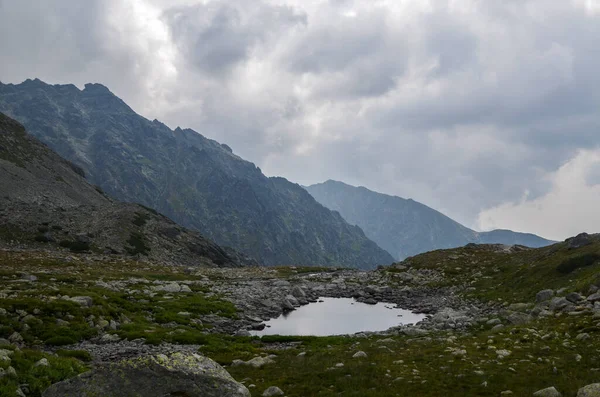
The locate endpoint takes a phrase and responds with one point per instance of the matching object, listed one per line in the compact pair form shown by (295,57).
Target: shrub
(138,245)
(60,340)
(75,246)
(82,355)
(571,264)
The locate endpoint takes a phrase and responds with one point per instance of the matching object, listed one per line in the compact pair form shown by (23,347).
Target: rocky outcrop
(180,374)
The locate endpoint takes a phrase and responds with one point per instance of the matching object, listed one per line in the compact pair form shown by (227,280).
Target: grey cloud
(218,36)
(463,106)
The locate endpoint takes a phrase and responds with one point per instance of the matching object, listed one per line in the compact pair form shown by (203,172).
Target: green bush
(60,340)
(137,244)
(571,264)
(75,246)
(82,355)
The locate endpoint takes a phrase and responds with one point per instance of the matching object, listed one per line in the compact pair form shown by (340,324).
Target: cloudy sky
(486,110)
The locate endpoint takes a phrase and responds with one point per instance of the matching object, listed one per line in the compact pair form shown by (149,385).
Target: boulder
(547,392)
(359,354)
(574,297)
(84,301)
(180,374)
(592,390)
(273,391)
(594,297)
(544,295)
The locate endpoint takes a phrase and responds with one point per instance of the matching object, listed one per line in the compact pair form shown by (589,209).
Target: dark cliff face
(405,227)
(193,180)
(46,202)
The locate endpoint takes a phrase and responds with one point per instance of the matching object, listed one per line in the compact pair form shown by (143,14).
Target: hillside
(198,182)
(47,203)
(406,227)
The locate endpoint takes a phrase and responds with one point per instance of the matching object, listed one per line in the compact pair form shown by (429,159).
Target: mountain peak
(96,88)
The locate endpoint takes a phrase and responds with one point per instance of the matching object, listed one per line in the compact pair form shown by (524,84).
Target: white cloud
(570,207)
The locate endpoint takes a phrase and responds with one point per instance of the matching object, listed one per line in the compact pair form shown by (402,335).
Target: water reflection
(338,316)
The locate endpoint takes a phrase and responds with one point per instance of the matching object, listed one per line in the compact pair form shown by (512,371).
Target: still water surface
(339,316)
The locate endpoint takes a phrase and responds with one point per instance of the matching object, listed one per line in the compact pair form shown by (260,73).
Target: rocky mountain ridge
(406,227)
(198,182)
(45,202)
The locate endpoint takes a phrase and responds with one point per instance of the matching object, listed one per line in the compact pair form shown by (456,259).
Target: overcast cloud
(485,110)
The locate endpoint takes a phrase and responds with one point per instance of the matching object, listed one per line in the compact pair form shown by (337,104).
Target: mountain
(47,203)
(405,227)
(197,182)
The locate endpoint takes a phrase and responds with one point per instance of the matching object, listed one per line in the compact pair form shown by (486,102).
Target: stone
(547,392)
(519,318)
(110,338)
(84,301)
(10,371)
(574,297)
(4,342)
(558,303)
(298,293)
(5,354)
(544,295)
(503,353)
(42,363)
(15,337)
(258,362)
(273,391)
(359,354)
(592,390)
(180,374)
(594,297)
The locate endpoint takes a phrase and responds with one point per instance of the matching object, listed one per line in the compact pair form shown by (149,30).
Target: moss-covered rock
(178,375)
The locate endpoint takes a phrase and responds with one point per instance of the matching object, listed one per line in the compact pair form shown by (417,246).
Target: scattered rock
(15,337)
(574,297)
(273,391)
(42,363)
(544,295)
(359,354)
(548,392)
(84,301)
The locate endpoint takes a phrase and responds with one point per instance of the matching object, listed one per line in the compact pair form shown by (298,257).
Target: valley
(499,319)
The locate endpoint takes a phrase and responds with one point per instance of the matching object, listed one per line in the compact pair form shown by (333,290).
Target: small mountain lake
(339,316)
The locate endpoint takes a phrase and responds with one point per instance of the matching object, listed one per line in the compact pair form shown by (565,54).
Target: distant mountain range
(405,227)
(45,202)
(199,183)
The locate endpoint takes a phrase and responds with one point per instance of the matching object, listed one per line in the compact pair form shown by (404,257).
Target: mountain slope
(405,227)
(46,202)
(195,181)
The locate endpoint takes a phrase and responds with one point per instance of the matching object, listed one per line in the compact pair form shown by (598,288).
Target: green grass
(38,378)
(428,367)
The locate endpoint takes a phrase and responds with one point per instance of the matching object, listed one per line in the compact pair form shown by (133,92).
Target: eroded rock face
(180,374)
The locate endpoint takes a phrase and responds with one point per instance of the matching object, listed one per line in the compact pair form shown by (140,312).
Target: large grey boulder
(592,390)
(180,374)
